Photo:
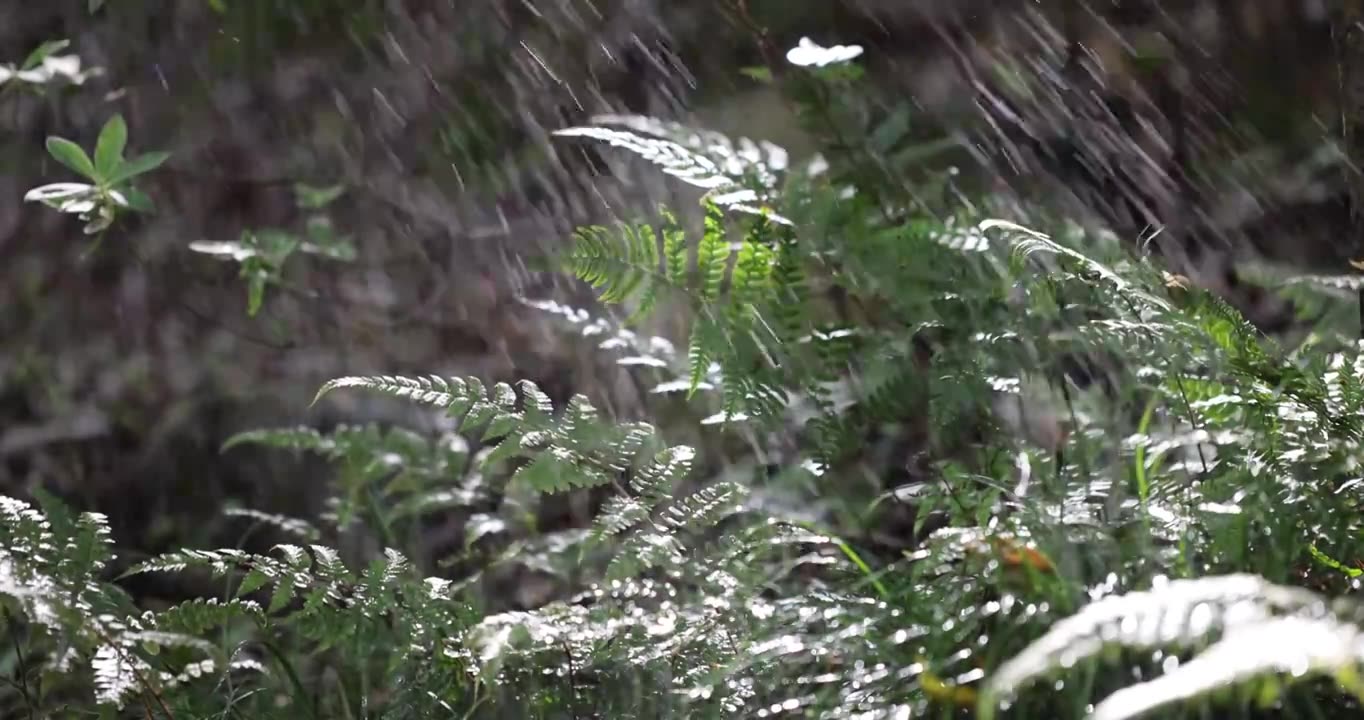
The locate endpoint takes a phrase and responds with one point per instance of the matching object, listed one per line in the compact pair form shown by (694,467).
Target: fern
(575,451)
(730,298)
(1264,629)
(293,526)
(741,175)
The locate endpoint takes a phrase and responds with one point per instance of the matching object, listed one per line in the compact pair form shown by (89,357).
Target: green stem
(294,680)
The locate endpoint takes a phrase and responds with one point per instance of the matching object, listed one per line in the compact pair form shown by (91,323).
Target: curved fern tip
(327,387)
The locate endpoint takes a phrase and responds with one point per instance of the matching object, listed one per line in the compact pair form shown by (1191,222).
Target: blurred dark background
(122,370)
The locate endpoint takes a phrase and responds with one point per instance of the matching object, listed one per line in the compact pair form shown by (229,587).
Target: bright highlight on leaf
(1249,629)
(809,54)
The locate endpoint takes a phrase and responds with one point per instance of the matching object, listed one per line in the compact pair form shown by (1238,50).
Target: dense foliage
(962,465)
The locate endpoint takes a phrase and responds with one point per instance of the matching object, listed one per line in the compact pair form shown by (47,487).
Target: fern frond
(658,480)
(670,157)
(299,438)
(644,550)
(705,507)
(619,262)
(706,337)
(198,616)
(1176,613)
(430,390)
(284,523)
(620,513)
(1295,647)
(712,257)
(675,249)
(1027,242)
(559,469)
(699,157)
(118,674)
(751,281)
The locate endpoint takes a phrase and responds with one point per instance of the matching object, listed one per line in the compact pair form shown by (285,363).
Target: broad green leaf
(256,279)
(137,200)
(891,130)
(760,73)
(137,166)
(36,57)
(109,148)
(71,155)
(313,198)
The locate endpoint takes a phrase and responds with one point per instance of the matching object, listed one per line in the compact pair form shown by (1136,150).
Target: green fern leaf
(557,470)
(752,278)
(712,257)
(197,616)
(657,481)
(706,337)
(642,551)
(537,404)
(430,390)
(674,249)
(299,438)
(254,580)
(705,507)
(284,592)
(620,513)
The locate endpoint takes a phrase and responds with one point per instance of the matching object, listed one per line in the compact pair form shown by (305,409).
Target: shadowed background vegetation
(413,145)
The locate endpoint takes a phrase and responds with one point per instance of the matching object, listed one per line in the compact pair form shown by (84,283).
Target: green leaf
(891,131)
(71,155)
(313,198)
(137,166)
(761,73)
(712,256)
(137,200)
(109,148)
(255,292)
(42,52)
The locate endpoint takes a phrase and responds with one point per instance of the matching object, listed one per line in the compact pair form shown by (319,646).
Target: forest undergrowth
(972,463)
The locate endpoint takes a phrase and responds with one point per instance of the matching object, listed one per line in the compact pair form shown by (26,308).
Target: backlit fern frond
(198,616)
(575,449)
(293,526)
(1028,242)
(620,513)
(431,390)
(657,481)
(737,303)
(635,349)
(705,507)
(619,262)
(1261,629)
(50,563)
(741,175)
